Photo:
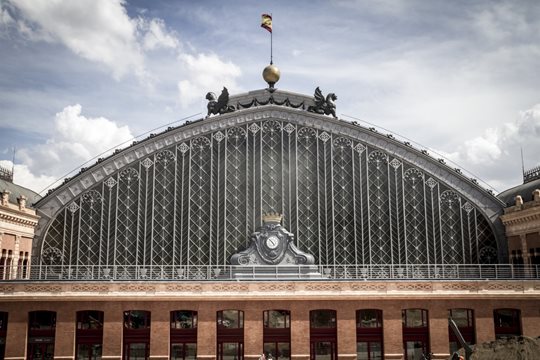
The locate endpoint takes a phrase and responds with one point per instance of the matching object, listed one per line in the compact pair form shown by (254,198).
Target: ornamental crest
(271,244)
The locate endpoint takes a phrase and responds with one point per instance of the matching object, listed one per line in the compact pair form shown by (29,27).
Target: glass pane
(230,351)
(413,318)
(191,351)
(96,351)
(232,319)
(362,351)
(284,351)
(184,320)
(415,350)
(323,319)
(505,318)
(137,351)
(375,348)
(277,319)
(136,319)
(90,320)
(368,318)
(269,350)
(323,350)
(83,352)
(461,317)
(42,320)
(454,346)
(49,352)
(177,351)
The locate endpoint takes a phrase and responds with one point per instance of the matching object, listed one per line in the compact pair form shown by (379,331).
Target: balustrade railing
(259,272)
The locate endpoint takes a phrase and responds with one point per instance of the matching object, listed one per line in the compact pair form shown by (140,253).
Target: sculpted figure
(218,105)
(324,106)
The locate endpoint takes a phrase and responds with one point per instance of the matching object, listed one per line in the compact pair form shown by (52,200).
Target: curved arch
(192,195)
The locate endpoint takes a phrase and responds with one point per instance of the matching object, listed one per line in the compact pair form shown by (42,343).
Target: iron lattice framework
(196,201)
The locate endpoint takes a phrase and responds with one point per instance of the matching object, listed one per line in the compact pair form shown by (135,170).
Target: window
(230,334)
(3,332)
(41,333)
(89,335)
(369,335)
(231,319)
(323,335)
(464,319)
(136,335)
(415,333)
(183,335)
(507,322)
(277,334)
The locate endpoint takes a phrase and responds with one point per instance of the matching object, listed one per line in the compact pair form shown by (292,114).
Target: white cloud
(157,36)
(97,30)
(205,73)
(76,139)
(499,148)
(24,177)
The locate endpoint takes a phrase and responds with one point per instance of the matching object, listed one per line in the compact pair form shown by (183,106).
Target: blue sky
(458,77)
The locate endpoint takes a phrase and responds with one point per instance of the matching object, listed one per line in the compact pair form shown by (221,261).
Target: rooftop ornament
(218,105)
(324,106)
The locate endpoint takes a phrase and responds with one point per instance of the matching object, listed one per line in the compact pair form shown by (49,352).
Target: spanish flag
(266,22)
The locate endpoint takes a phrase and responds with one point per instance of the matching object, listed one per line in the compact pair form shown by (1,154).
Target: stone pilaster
(15,259)
(524,249)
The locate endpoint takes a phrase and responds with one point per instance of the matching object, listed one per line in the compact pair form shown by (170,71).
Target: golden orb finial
(271,75)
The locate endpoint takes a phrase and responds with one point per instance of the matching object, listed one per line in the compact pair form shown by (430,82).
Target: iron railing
(308,272)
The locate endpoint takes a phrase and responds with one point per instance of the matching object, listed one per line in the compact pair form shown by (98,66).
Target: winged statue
(218,105)
(324,106)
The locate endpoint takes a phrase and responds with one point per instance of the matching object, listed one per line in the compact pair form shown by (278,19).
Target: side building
(267,227)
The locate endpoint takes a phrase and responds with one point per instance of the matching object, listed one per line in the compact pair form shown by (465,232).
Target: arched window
(136,334)
(230,334)
(507,322)
(183,335)
(3,332)
(323,334)
(464,319)
(89,336)
(415,333)
(41,332)
(277,334)
(369,334)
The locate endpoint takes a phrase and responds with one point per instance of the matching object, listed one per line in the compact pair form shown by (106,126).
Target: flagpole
(271,42)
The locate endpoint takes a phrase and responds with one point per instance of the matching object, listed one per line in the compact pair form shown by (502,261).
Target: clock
(272,242)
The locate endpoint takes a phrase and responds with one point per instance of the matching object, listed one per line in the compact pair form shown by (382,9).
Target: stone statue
(324,106)
(218,105)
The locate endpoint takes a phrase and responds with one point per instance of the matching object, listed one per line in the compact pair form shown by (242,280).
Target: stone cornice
(18,217)
(528,215)
(282,290)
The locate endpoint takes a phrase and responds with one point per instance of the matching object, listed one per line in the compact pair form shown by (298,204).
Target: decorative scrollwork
(342,143)
(272,126)
(52,256)
(378,157)
(236,135)
(449,198)
(91,197)
(165,156)
(129,174)
(413,175)
(200,143)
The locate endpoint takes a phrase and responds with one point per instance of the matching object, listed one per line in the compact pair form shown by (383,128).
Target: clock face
(272,242)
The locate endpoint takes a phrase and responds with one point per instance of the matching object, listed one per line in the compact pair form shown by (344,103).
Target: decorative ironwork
(196,201)
(323,106)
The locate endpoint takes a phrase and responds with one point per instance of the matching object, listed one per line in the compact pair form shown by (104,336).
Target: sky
(460,78)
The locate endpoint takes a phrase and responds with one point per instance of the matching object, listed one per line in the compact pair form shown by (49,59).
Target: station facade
(346,244)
